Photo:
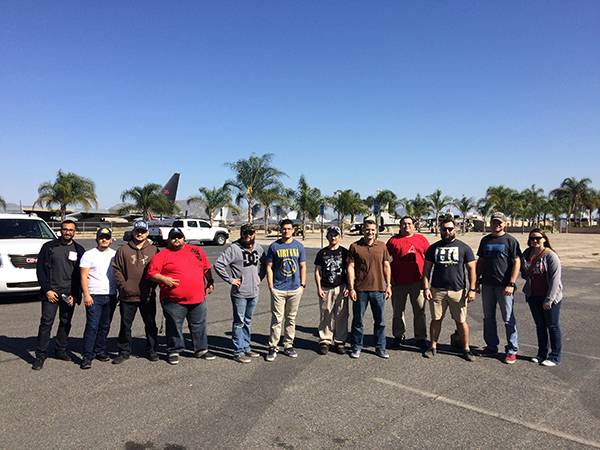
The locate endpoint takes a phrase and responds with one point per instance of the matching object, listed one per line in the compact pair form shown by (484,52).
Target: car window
(204,225)
(24,228)
(178,224)
(192,224)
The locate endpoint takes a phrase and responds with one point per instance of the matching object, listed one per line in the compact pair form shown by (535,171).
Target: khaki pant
(284,307)
(399,294)
(333,326)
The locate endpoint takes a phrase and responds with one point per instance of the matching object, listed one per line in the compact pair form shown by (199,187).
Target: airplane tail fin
(170,189)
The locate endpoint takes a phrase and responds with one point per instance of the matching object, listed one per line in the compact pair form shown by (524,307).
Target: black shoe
(62,355)
(430,352)
(173,359)
(205,354)
(102,357)
(397,343)
(120,359)
(152,356)
(468,355)
(86,364)
(39,363)
(422,344)
(324,349)
(340,349)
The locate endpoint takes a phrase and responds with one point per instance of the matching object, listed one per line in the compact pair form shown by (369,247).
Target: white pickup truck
(194,230)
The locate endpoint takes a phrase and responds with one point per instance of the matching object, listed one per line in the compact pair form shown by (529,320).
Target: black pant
(64,326)
(148,313)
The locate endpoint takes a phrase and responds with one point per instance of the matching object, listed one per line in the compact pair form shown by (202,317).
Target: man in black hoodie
(135,291)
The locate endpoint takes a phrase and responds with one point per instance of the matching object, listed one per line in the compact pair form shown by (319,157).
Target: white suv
(21,237)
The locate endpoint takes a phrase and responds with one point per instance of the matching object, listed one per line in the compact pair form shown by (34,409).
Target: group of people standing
(445,274)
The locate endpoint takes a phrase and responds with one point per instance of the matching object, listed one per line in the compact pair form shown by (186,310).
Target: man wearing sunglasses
(99,297)
(135,291)
(184,275)
(60,288)
(246,261)
(448,288)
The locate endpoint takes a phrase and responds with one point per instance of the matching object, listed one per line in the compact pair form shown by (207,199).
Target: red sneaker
(488,352)
(510,358)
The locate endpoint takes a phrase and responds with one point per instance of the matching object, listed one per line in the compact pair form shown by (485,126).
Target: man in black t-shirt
(60,289)
(331,279)
(448,287)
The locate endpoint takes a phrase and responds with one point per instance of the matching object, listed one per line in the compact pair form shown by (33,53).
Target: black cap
(176,233)
(248,228)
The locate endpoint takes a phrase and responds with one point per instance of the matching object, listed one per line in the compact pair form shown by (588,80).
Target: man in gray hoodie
(243,257)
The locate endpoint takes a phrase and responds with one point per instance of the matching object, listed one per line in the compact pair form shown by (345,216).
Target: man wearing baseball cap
(135,291)
(181,270)
(331,278)
(498,264)
(99,297)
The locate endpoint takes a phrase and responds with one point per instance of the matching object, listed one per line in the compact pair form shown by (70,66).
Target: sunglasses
(536,238)
(447,228)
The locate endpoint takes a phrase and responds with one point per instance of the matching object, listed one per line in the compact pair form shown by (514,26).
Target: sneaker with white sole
(510,358)
(290,352)
(242,358)
(271,355)
(173,359)
(382,353)
(355,354)
(548,363)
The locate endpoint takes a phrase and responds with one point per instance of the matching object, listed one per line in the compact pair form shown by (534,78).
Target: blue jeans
(546,325)
(377,301)
(243,309)
(490,297)
(175,314)
(97,324)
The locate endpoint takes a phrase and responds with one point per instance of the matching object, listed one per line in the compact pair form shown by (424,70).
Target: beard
(449,238)
(247,243)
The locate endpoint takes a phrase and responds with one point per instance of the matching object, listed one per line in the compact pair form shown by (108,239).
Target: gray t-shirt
(449,260)
(244,264)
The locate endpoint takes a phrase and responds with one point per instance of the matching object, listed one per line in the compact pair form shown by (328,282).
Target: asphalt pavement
(313,401)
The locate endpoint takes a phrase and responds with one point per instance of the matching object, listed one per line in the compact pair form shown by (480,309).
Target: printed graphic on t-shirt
(196,253)
(250,258)
(333,267)
(495,251)
(447,255)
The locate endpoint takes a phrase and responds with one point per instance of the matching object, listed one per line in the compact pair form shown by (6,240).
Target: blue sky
(409,96)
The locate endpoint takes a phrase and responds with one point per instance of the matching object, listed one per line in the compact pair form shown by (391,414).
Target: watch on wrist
(303,286)
(511,284)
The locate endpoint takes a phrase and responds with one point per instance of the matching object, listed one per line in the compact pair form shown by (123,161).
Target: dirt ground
(575,250)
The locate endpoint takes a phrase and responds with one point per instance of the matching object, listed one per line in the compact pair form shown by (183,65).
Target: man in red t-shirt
(407,250)
(181,269)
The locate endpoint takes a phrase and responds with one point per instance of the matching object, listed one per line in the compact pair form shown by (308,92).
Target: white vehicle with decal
(194,230)
(21,238)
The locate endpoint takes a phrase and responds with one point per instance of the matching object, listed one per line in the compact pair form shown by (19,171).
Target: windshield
(24,228)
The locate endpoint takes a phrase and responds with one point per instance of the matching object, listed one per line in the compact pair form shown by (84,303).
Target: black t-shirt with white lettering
(449,260)
(333,263)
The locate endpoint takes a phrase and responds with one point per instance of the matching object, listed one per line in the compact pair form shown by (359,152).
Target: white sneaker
(548,363)
(535,360)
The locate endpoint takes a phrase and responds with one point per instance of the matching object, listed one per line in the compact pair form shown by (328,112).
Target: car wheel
(220,239)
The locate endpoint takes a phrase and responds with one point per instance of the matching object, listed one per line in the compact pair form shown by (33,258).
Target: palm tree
(504,199)
(574,193)
(147,199)
(533,199)
(347,203)
(268,198)
(420,207)
(592,202)
(464,205)
(2,203)
(252,176)
(438,203)
(307,202)
(68,189)
(484,207)
(213,199)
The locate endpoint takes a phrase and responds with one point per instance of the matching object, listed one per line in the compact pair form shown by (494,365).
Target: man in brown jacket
(135,291)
